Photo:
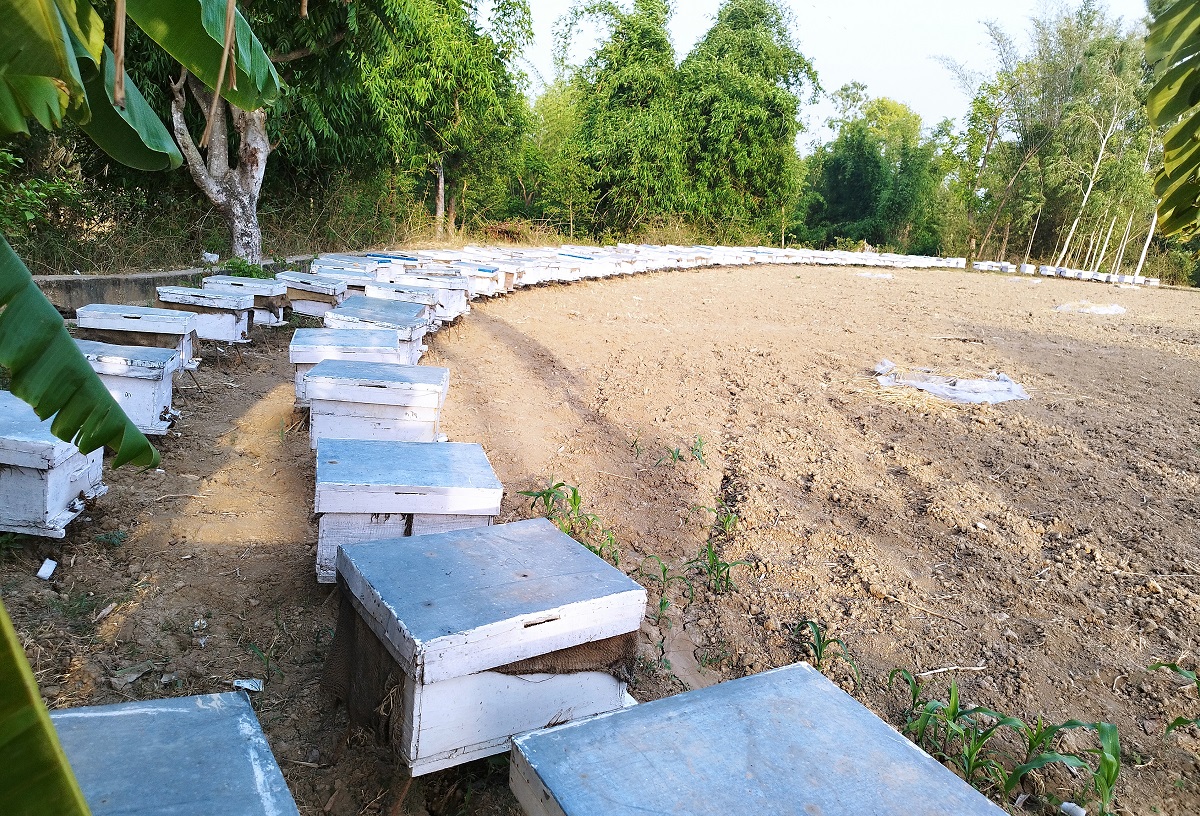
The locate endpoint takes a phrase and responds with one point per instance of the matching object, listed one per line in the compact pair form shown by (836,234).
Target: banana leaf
(133,135)
(1173,47)
(50,373)
(39,77)
(35,777)
(193,32)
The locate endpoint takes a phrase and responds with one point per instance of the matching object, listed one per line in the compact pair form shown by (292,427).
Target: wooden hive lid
(457,603)
(412,293)
(374,383)
(410,319)
(315,345)
(25,440)
(269,287)
(186,756)
(208,298)
(312,283)
(138,362)
(362,466)
(784,741)
(135,318)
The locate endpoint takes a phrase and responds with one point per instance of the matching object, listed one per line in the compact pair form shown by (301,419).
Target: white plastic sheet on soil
(999,388)
(1084,307)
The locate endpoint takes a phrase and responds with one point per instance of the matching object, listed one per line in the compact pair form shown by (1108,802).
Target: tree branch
(301,53)
(218,137)
(191,153)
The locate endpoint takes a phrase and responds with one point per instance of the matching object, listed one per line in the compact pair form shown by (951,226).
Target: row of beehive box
(491,630)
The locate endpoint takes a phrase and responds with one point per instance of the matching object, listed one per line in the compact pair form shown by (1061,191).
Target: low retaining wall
(69,292)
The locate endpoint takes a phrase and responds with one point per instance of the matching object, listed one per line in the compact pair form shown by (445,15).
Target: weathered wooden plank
(185,756)
(785,741)
(458,603)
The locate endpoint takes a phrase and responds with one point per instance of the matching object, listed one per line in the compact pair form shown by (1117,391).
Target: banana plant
(54,65)
(1173,48)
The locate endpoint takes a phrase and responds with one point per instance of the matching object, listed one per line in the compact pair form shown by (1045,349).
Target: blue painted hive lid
(784,741)
(25,440)
(139,362)
(457,603)
(315,345)
(362,464)
(187,756)
(380,375)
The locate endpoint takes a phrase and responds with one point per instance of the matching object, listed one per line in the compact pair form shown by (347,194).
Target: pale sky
(889,46)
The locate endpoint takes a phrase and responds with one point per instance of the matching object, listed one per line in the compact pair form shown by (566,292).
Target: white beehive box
(44,481)
(355,279)
(270,296)
(371,489)
(140,326)
(312,295)
(311,346)
(351,400)
(450,609)
(451,293)
(787,741)
(411,320)
(223,316)
(139,379)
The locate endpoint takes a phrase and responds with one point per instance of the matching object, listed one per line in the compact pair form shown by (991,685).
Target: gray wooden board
(363,463)
(452,604)
(384,375)
(186,756)
(785,741)
(392,314)
(25,440)
(139,362)
(315,345)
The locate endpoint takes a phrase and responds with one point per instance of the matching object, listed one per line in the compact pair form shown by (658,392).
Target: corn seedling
(563,504)
(1190,676)
(270,667)
(698,450)
(818,644)
(674,454)
(661,573)
(709,563)
(963,739)
(636,447)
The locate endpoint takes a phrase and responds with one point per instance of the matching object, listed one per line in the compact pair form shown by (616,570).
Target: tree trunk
(1116,270)
(452,215)
(1112,128)
(233,190)
(439,215)
(1104,247)
(1032,235)
(1004,243)
(1146,246)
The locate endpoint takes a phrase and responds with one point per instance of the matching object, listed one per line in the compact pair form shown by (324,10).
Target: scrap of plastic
(47,569)
(248,685)
(1000,388)
(1084,307)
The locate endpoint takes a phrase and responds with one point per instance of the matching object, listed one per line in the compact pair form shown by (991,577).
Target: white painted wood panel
(140,380)
(336,529)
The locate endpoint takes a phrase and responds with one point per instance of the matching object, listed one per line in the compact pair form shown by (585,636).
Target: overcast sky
(891,47)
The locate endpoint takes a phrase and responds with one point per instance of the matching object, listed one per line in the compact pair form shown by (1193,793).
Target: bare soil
(1046,548)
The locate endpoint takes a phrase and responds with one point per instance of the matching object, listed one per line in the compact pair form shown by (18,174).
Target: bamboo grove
(418,119)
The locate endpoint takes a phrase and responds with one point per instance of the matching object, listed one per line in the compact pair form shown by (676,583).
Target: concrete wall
(69,292)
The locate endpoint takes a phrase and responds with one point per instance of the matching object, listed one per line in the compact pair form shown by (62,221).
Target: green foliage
(1172,47)
(1189,676)
(244,269)
(34,774)
(563,505)
(995,752)
(112,539)
(817,643)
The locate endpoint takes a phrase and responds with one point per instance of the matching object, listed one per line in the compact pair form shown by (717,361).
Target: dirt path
(1021,539)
